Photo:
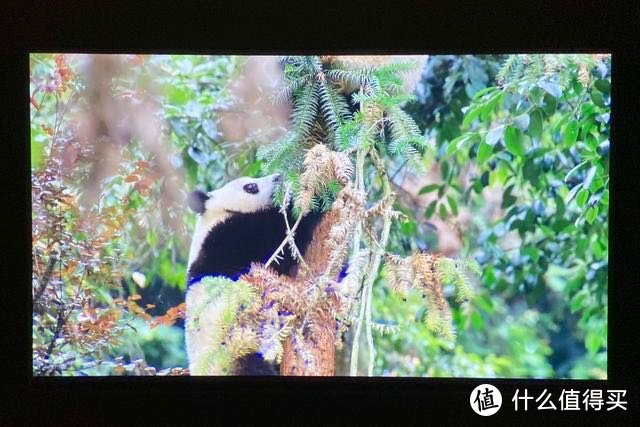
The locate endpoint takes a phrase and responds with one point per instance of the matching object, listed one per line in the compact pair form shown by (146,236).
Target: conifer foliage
(319,91)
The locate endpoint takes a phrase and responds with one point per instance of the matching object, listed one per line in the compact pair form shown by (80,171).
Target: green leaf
(596,184)
(572,193)
(457,144)
(598,99)
(501,173)
(532,253)
(478,185)
(578,300)
(429,188)
(490,105)
(603,86)
(599,250)
(551,88)
(535,126)
(484,151)
(587,110)
(574,170)
(442,211)
(471,115)
(484,179)
(514,141)
(560,206)
(453,205)
(592,142)
(452,148)
(558,125)
(547,231)
(529,171)
(593,342)
(570,133)
(484,91)
(549,105)
(588,179)
(582,196)
(507,198)
(494,135)
(522,121)
(428,213)
(445,170)
(591,214)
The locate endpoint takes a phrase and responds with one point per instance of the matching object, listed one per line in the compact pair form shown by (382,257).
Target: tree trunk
(320,338)
(323,353)
(343,356)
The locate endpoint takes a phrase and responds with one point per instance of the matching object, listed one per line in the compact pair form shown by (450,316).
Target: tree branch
(377,255)
(44,281)
(290,234)
(359,180)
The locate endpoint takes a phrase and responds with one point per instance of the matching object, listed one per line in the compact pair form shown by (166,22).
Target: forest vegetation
(470,194)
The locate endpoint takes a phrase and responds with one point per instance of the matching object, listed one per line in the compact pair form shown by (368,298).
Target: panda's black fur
(231,246)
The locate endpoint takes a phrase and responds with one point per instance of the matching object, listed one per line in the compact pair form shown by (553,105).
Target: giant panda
(238,224)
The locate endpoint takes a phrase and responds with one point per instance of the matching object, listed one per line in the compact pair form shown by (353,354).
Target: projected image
(407,216)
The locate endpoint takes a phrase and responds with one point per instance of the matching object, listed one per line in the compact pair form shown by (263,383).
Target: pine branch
(289,89)
(334,105)
(305,109)
(452,271)
(353,77)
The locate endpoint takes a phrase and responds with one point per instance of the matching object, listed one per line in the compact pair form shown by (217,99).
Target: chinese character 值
(570,400)
(487,401)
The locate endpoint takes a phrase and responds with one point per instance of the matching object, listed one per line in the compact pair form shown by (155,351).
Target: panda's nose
(277,178)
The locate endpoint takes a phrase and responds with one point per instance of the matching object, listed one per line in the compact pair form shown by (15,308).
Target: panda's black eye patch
(197,200)
(251,188)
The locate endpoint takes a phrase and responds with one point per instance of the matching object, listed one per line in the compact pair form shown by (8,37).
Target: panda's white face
(242,195)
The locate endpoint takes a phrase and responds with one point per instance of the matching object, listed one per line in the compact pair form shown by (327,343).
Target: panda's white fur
(201,309)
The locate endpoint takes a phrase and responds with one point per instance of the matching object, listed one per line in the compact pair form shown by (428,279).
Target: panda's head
(242,195)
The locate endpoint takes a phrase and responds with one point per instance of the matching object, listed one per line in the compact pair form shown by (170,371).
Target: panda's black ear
(197,200)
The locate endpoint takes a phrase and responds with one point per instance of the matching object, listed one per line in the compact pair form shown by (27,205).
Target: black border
(390,27)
